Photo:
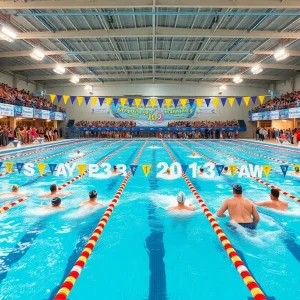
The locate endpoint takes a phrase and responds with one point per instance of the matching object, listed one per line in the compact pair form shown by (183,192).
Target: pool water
(145,251)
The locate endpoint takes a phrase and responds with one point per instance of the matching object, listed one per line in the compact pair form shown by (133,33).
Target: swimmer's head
(78,151)
(297,169)
(53,188)
(237,189)
(201,170)
(115,168)
(181,197)
(226,169)
(93,194)
(56,201)
(15,188)
(168,171)
(194,154)
(274,194)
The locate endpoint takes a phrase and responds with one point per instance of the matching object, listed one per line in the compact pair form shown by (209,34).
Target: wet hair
(225,168)
(93,194)
(56,201)
(201,169)
(275,193)
(115,167)
(297,169)
(53,187)
(237,189)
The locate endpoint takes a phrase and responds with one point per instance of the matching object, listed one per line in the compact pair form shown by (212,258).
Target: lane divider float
(72,277)
(247,277)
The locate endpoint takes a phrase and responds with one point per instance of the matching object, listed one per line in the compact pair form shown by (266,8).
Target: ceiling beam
(76,4)
(157,75)
(143,62)
(160,32)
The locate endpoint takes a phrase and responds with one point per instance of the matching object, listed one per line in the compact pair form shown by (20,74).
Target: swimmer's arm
(264,203)
(63,195)
(222,210)
(255,215)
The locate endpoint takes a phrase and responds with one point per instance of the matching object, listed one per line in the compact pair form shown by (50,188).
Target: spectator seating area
(199,124)
(105,124)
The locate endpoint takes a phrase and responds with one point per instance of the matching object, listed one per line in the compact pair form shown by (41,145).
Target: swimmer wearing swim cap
(115,171)
(55,204)
(193,154)
(92,201)
(78,151)
(54,192)
(181,198)
(297,171)
(225,170)
(168,172)
(201,173)
(14,192)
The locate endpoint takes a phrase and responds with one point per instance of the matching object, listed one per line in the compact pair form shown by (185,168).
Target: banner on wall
(18,111)
(37,113)
(58,116)
(52,115)
(294,112)
(6,110)
(46,114)
(276,114)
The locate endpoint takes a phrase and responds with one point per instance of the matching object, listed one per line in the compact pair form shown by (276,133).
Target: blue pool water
(146,252)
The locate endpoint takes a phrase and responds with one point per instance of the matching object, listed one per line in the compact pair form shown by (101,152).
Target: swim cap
(15,187)
(93,194)
(181,197)
(168,170)
(296,169)
(56,201)
(201,169)
(237,187)
(115,167)
(53,187)
(225,168)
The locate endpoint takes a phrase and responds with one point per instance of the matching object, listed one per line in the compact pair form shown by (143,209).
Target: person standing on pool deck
(53,192)
(181,206)
(240,209)
(275,203)
(92,202)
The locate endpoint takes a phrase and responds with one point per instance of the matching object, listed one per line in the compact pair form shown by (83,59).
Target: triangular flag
(108,101)
(168,102)
(284,169)
(145,101)
(87,99)
(232,169)
(253,98)
(9,166)
(52,167)
(116,100)
(41,167)
(130,101)
(219,169)
(266,170)
(175,102)
(79,99)
(72,98)
(239,100)
(137,102)
(215,101)
(160,102)
(66,98)
(246,100)
(261,99)
(152,102)
(146,169)
(207,101)
(183,102)
(52,97)
(199,102)
(191,102)
(184,168)
(101,101)
(94,101)
(133,169)
(231,100)
(123,101)
(19,166)
(81,168)
(223,100)
(58,97)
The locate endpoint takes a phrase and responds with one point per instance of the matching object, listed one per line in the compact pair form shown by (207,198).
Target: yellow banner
(79,99)
(199,102)
(66,98)
(138,102)
(41,167)
(108,101)
(215,101)
(266,169)
(152,102)
(246,100)
(231,100)
(9,166)
(168,102)
(52,97)
(232,169)
(81,168)
(146,169)
(94,101)
(183,102)
(261,99)
(123,101)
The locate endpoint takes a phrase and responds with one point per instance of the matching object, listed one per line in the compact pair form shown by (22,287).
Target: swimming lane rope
(70,280)
(248,279)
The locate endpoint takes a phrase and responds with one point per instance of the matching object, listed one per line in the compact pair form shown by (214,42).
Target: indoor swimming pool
(146,251)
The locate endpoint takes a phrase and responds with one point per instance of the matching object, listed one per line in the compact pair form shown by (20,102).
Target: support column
(12,122)
(15,81)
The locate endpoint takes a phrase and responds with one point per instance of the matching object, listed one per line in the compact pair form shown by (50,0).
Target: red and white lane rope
(9,206)
(248,279)
(252,177)
(70,280)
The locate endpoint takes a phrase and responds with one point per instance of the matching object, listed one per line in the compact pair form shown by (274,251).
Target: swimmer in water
(53,192)
(115,171)
(193,154)
(168,172)
(14,192)
(240,209)
(225,170)
(55,204)
(181,206)
(297,171)
(275,203)
(201,173)
(92,202)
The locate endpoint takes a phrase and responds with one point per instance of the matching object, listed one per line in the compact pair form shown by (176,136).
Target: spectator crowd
(292,136)
(9,95)
(209,124)
(105,124)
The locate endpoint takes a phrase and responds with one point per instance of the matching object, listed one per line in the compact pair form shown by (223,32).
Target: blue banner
(37,113)
(52,115)
(18,111)
(275,114)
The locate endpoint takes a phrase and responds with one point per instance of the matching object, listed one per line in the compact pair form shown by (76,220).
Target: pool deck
(273,142)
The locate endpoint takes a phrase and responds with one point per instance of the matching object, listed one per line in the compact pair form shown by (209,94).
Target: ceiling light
(75,79)
(256,70)
(223,87)
(8,34)
(59,69)
(37,54)
(281,54)
(88,88)
(237,79)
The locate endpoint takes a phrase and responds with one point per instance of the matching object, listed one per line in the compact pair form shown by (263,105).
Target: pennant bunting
(160,102)
(254,98)
(232,169)
(133,169)
(215,101)
(175,102)
(9,166)
(219,169)
(130,101)
(123,101)
(41,167)
(184,168)
(168,102)
(66,98)
(199,102)
(183,102)
(147,168)
(52,97)
(101,101)
(52,167)
(87,99)
(191,102)
(79,100)
(207,101)
(284,169)
(239,100)
(152,102)
(223,100)
(72,98)
(115,100)
(19,167)
(108,101)
(94,101)
(261,99)
(137,102)
(58,97)
(231,100)
(81,168)
(246,100)
(145,101)
(266,169)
